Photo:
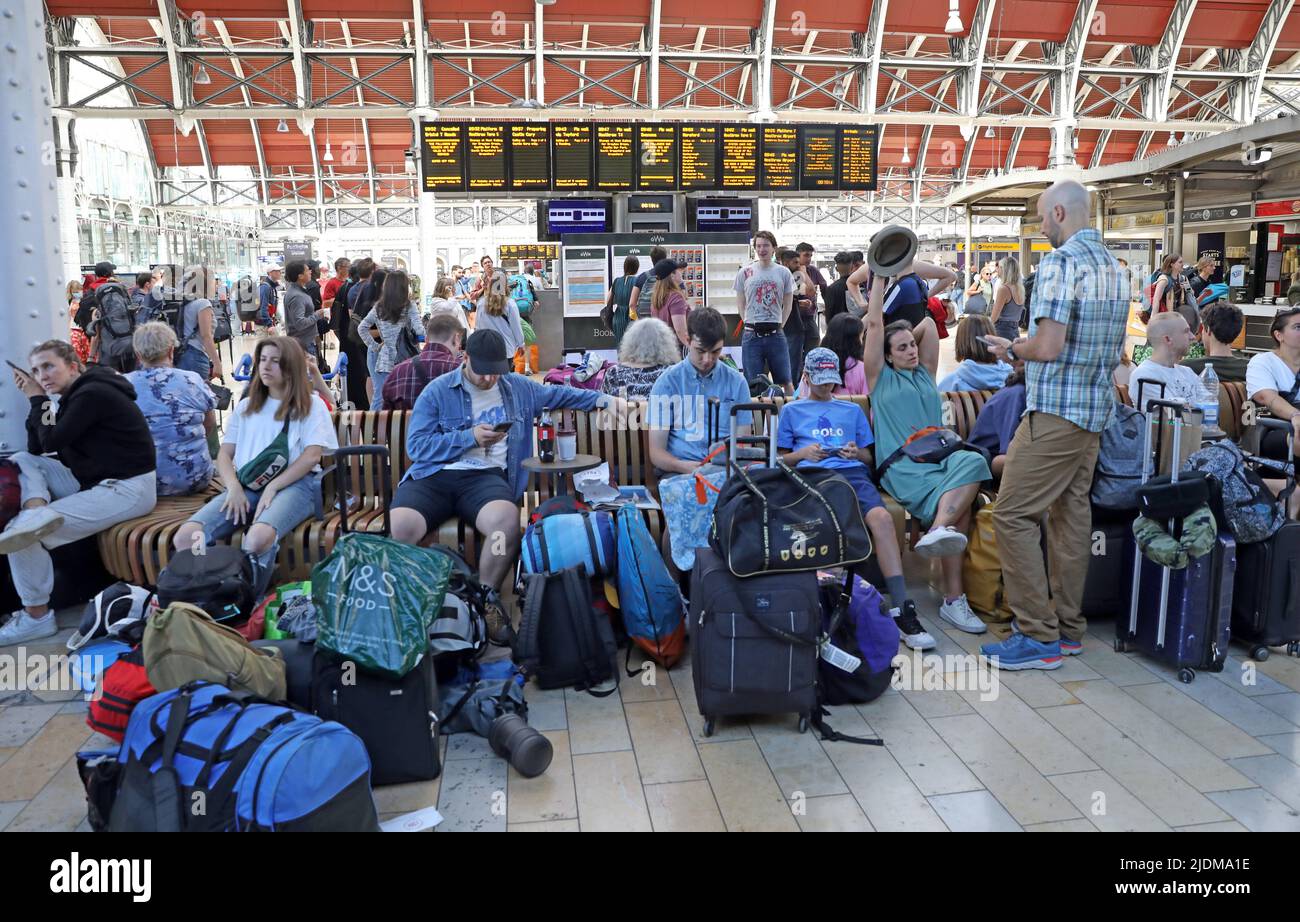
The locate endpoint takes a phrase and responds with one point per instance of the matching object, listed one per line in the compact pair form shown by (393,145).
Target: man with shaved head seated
(1160,375)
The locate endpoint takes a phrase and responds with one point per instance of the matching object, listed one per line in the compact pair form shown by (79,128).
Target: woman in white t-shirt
(270,459)
(1273,378)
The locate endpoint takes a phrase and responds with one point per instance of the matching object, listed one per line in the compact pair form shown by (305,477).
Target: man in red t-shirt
(331,288)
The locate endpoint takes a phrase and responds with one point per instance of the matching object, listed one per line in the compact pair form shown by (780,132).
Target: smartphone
(22,371)
(502,427)
(984,340)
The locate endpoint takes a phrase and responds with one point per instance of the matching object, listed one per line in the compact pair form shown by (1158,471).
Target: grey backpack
(1119,462)
(1249,508)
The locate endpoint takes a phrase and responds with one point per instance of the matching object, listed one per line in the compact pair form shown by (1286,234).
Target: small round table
(561,471)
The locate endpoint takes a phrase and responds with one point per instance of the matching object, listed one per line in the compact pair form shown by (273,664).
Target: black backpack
(218,579)
(115,325)
(222,331)
(563,639)
(85,314)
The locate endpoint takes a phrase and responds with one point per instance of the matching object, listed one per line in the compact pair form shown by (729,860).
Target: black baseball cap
(666,267)
(487,353)
(105,269)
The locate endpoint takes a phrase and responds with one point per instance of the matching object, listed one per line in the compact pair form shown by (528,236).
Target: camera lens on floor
(519,744)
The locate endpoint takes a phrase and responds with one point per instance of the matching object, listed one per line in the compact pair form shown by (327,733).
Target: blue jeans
(377,398)
(195,360)
(769,353)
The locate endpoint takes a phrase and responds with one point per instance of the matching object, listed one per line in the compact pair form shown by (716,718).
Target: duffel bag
(575,539)
(122,686)
(218,579)
(778,519)
(182,645)
(202,758)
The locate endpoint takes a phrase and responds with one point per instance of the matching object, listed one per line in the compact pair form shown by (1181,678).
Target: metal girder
(656,10)
(1071,58)
(207,160)
(420,63)
(1030,104)
(365,123)
(695,84)
(359,82)
(539,67)
(475,81)
(973,51)
(1259,54)
(124,80)
(875,42)
(295,28)
(584,81)
(763,38)
(166,30)
(922,91)
(808,44)
(1120,98)
(224,34)
(1171,42)
(242,82)
(813,88)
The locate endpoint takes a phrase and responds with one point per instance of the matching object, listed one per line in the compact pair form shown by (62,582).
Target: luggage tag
(837,657)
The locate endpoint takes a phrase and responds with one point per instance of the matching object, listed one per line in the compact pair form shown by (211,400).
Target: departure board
(819,161)
(571,156)
(530,156)
(698,147)
(615,158)
(858,158)
(485,156)
(738,157)
(657,151)
(515,156)
(780,146)
(442,157)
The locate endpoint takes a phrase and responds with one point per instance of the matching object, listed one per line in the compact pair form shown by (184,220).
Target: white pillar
(66,193)
(30,245)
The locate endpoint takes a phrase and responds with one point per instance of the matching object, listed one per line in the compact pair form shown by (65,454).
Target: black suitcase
(753,641)
(396,719)
(1181,617)
(1266,602)
(299,664)
(1103,589)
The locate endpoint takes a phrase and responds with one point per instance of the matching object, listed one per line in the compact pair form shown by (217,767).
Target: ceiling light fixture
(953,26)
(1173,140)
(201,77)
(988,132)
(282,127)
(907,157)
(329,154)
(1076,140)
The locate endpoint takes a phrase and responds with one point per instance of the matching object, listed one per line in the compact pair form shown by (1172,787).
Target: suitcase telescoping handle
(344,469)
(767,441)
(1155,408)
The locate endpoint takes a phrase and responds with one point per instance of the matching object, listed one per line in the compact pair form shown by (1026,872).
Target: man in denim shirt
(462,465)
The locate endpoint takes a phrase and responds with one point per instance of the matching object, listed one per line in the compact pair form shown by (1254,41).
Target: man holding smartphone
(469,434)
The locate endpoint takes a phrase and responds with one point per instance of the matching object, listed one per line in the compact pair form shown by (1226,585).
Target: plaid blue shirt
(1082,286)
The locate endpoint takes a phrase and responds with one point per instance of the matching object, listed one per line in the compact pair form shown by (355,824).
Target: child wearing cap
(820,431)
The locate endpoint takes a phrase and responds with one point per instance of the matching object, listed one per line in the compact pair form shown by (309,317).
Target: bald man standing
(1079,311)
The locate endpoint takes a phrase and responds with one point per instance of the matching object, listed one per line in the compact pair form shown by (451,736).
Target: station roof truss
(316,101)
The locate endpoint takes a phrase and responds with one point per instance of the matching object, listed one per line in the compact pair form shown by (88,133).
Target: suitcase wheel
(1293,648)
(1260,653)
(1186,675)
(803,723)
(1120,646)
(708,726)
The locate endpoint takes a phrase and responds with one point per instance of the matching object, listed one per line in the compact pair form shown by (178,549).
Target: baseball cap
(487,353)
(105,269)
(823,367)
(666,267)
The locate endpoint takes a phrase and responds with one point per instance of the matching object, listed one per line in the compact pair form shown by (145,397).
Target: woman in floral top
(180,409)
(649,348)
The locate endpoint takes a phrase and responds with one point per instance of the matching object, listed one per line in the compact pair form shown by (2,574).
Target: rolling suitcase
(1266,600)
(754,642)
(1103,592)
(1180,617)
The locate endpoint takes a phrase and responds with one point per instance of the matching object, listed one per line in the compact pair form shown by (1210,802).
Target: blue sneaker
(1022,652)
(1071,647)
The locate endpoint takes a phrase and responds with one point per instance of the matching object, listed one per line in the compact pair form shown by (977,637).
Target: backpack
(654,612)
(581,539)
(863,631)
(458,634)
(115,325)
(182,644)
(222,331)
(111,612)
(85,314)
(1249,509)
(11,491)
(122,686)
(218,580)
(1119,460)
(522,294)
(563,639)
(253,765)
(981,570)
(1215,291)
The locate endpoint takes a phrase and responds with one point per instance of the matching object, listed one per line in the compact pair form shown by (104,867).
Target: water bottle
(1210,397)
(546,440)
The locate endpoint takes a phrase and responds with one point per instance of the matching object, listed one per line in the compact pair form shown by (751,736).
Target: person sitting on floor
(822,432)
(444,341)
(179,407)
(649,348)
(904,400)
(996,424)
(468,437)
(89,464)
(979,370)
(269,461)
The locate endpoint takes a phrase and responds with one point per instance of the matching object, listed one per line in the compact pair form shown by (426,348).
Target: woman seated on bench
(905,399)
(101,473)
(649,348)
(269,461)
(179,407)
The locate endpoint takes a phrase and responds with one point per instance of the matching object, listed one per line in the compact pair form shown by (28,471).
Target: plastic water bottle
(1210,397)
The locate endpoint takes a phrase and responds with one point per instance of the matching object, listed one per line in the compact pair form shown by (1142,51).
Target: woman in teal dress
(905,399)
(619,295)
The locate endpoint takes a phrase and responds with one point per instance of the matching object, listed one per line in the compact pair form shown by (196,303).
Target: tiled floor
(1112,743)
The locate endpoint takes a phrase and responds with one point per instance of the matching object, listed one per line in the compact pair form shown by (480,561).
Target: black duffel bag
(778,519)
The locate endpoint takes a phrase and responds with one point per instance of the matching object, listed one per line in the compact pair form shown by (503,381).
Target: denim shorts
(868,495)
(770,353)
(292,506)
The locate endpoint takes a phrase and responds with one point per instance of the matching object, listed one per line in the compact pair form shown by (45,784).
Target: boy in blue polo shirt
(820,431)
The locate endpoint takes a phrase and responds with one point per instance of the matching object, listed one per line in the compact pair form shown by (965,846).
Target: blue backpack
(863,629)
(571,539)
(522,294)
(654,613)
(1215,291)
(201,758)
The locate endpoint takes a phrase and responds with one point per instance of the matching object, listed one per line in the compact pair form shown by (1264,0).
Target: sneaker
(501,630)
(909,627)
(28,527)
(1019,651)
(23,627)
(1071,647)
(941,542)
(958,613)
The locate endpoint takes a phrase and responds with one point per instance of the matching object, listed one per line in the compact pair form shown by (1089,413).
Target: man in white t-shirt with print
(764,299)
(1170,339)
